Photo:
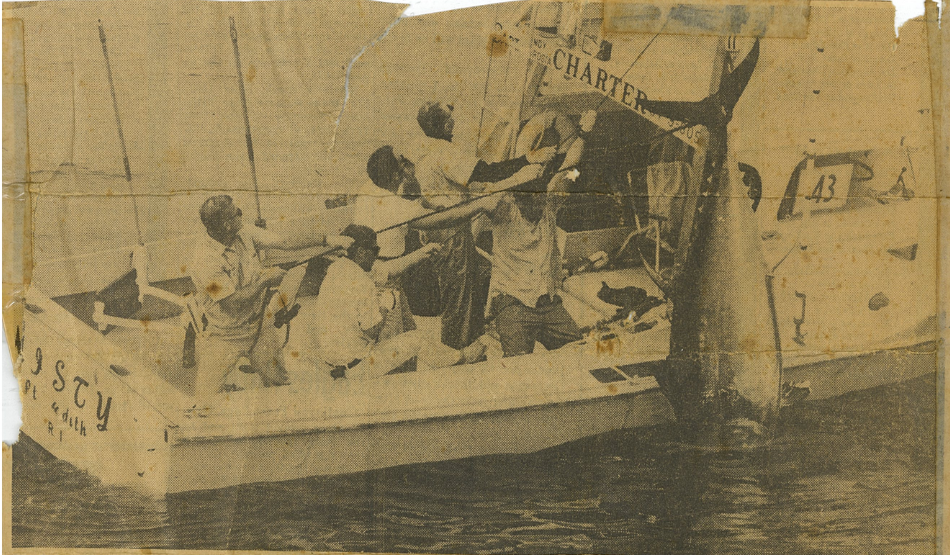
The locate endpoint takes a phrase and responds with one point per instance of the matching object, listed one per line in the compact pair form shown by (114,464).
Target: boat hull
(835,377)
(90,403)
(222,462)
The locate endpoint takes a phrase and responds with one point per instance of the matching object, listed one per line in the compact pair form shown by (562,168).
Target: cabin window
(555,18)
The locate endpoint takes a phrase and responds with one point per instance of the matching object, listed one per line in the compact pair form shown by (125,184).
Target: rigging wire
(637,59)
(118,123)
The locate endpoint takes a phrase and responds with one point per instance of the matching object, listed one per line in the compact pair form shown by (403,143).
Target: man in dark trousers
(525,261)
(445,173)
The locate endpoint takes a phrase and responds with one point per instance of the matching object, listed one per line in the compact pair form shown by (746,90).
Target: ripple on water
(851,474)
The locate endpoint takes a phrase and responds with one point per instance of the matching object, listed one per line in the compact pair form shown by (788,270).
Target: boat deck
(159,348)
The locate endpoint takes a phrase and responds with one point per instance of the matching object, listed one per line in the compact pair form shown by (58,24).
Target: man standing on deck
(444,172)
(233,291)
(380,204)
(351,312)
(525,261)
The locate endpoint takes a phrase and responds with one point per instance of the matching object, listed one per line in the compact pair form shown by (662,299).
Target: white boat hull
(150,436)
(153,439)
(217,463)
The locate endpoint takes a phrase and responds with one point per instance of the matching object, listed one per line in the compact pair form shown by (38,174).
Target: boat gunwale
(169,401)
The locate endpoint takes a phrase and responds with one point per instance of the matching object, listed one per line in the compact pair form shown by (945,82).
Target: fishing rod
(260,222)
(118,124)
(444,209)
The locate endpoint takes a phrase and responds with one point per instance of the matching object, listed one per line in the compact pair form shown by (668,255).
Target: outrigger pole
(118,124)
(260,222)
(119,300)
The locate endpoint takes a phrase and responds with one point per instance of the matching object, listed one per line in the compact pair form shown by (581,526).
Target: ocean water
(855,474)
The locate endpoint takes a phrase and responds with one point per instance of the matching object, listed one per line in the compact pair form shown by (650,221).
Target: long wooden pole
(17,212)
(261,223)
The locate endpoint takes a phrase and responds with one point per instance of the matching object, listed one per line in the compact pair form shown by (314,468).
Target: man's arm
(295,240)
(457,214)
(524,175)
(486,172)
(269,277)
(372,316)
(567,173)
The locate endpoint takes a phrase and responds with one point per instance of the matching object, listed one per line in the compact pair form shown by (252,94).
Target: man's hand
(339,241)
(387,301)
(587,120)
(541,155)
(431,248)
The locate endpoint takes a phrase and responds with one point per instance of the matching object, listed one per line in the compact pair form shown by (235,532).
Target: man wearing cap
(445,172)
(232,288)
(351,313)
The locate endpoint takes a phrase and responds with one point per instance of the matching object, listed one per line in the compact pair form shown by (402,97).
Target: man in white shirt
(525,262)
(351,312)
(444,171)
(379,204)
(232,288)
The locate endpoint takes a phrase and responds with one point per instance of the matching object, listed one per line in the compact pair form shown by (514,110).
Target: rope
(118,124)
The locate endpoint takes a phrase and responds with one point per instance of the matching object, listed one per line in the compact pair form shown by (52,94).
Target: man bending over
(351,312)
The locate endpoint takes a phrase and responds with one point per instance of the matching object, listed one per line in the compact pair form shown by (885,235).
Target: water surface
(854,474)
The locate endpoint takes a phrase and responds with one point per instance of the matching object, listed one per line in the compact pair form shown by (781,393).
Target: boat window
(753,183)
(556,18)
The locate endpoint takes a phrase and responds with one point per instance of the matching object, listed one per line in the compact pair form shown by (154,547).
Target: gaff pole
(260,222)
